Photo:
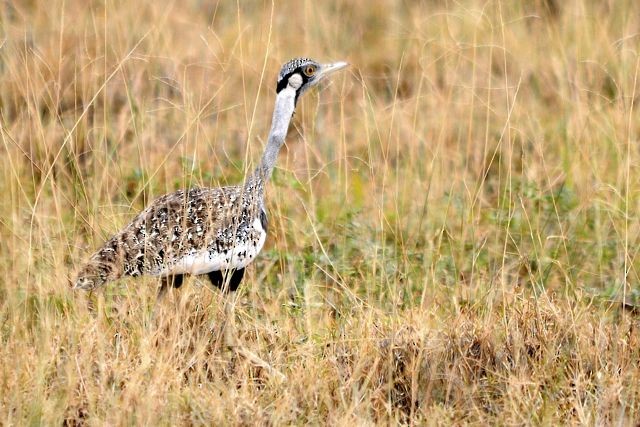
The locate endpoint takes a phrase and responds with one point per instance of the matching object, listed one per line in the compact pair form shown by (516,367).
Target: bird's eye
(310,70)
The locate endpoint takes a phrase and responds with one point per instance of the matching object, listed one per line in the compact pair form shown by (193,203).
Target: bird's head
(300,74)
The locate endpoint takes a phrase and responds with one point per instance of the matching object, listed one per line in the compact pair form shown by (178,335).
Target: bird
(215,232)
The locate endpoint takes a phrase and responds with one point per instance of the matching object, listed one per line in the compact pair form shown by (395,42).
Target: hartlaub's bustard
(213,231)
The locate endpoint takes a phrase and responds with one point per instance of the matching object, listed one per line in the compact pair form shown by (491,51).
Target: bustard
(212,231)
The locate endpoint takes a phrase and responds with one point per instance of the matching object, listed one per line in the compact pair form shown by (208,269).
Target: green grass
(453,222)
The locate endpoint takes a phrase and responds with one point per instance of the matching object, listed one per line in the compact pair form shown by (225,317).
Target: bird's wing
(170,228)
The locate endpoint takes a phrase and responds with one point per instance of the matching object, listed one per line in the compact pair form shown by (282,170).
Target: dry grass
(454,220)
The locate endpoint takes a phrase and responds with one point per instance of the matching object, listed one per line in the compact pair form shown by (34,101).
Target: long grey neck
(285,105)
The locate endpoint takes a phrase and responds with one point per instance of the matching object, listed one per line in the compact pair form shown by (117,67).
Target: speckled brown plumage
(177,225)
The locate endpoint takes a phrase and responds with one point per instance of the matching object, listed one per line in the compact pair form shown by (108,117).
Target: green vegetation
(454,222)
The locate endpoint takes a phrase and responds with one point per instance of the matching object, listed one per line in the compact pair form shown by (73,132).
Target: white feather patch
(204,261)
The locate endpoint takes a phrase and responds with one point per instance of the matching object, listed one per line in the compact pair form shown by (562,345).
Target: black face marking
(291,66)
(295,66)
(282,83)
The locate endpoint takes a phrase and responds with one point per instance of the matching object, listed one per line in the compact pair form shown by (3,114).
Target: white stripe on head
(295,81)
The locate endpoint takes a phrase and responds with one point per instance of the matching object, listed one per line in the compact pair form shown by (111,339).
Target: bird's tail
(102,267)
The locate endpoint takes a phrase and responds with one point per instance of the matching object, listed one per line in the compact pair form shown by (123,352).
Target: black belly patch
(217,279)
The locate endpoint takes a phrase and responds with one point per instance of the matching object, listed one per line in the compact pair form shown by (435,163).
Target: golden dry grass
(454,219)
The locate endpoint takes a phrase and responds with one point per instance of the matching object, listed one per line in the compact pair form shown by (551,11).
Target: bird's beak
(327,69)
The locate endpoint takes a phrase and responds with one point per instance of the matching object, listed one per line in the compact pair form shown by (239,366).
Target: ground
(453,221)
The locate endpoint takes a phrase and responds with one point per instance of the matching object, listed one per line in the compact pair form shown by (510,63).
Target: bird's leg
(230,334)
(226,281)
(164,284)
(222,280)
(178,279)
(235,279)
(216,278)
(229,331)
(174,281)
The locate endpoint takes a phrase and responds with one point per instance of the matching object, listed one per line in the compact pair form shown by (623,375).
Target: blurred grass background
(454,220)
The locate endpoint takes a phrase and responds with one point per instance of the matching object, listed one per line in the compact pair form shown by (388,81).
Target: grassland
(454,221)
